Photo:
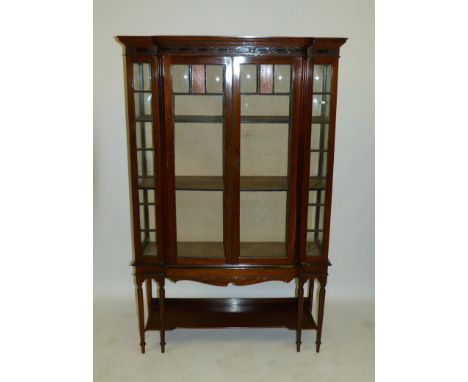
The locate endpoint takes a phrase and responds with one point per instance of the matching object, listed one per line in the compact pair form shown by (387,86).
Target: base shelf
(230,313)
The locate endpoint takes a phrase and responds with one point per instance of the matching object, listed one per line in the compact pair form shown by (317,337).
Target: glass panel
(315,137)
(274,105)
(264,162)
(199,160)
(282,79)
(198,149)
(322,78)
(248,78)
(144,135)
(314,164)
(214,78)
(264,157)
(199,224)
(142,105)
(180,78)
(321,106)
(263,224)
(141,77)
(145,162)
(198,105)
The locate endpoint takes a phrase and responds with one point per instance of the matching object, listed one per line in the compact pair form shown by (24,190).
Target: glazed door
(197,109)
(145,157)
(266,121)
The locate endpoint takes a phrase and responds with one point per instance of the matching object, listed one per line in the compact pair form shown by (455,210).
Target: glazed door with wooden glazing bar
(266,113)
(319,147)
(144,138)
(197,128)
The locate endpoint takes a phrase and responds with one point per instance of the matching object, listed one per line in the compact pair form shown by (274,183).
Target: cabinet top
(219,45)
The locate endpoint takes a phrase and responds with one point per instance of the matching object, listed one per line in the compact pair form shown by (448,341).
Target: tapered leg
(310,294)
(320,316)
(141,316)
(162,297)
(149,297)
(300,311)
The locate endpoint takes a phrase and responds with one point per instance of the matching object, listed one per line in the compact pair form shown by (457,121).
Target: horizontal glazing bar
(199,118)
(197,94)
(144,118)
(265,119)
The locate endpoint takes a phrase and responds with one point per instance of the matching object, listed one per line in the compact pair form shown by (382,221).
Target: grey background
(352,224)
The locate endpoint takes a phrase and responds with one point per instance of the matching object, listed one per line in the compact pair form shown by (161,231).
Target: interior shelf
(150,249)
(220,119)
(229,313)
(247,183)
(271,250)
(213,250)
(320,119)
(200,249)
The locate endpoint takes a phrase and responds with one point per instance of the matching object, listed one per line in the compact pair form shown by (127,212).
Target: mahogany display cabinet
(231,144)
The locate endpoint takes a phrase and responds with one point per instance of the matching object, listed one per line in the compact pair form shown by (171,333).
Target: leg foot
(162,298)
(320,316)
(141,317)
(300,312)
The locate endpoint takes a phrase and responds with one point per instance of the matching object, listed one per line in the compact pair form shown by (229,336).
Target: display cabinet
(231,166)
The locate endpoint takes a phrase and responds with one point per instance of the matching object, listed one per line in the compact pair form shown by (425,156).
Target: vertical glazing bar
(198,79)
(266,79)
(144,167)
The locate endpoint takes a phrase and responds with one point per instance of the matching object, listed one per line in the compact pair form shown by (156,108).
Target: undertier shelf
(247,183)
(229,313)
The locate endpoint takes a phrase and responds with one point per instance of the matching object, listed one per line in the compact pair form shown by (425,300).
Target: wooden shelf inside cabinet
(220,119)
(230,313)
(216,183)
(149,249)
(213,250)
(320,120)
(270,250)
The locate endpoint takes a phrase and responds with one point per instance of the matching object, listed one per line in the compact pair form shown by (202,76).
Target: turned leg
(320,316)
(141,316)
(149,296)
(162,297)
(300,311)
(310,294)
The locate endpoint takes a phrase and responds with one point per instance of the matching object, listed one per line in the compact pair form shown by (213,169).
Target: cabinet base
(229,313)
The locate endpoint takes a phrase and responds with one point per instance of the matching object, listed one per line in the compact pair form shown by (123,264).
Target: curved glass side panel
(322,80)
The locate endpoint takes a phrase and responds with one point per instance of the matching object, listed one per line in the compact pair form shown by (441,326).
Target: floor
(347,352)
